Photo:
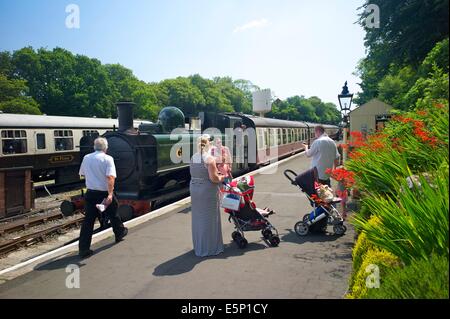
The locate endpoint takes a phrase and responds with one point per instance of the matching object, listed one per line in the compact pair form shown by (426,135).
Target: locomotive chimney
(125,115)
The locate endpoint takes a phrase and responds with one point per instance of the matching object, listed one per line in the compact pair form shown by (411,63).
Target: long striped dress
(206,225)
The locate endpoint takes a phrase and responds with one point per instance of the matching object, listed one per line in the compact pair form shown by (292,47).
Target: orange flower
(355,155)
(422,113)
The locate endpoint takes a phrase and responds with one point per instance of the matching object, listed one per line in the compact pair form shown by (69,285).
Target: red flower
(357,135)
(357,139)
(342,175)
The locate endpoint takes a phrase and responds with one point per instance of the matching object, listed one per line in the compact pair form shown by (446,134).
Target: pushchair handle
(289,174)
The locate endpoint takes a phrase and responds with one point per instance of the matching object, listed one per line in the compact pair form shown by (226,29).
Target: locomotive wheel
(125,212)
(301,228)
(67,208)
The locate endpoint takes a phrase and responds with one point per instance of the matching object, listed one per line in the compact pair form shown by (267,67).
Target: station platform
(156,259)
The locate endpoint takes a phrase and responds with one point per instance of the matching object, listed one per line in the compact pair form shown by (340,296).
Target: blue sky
(294,47)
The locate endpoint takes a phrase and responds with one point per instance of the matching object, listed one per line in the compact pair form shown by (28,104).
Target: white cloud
(252,24)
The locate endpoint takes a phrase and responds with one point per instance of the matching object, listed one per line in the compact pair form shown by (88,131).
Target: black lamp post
(345,102)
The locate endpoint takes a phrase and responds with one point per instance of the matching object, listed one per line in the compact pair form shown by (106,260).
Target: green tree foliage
(299,108)
(13,97)
(57,82)
(408,31)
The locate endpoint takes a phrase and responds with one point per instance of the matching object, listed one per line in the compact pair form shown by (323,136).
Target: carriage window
(266,137)
(14,142)
(40,141)
(90,133)
(260,138)
(63,140)
(272,137)
(279,136)
(289,137)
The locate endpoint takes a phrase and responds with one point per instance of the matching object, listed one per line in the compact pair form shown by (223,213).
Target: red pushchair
(245,215)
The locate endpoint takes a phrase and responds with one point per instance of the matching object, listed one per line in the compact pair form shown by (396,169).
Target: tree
(14,99)
(184,95)
(409,29)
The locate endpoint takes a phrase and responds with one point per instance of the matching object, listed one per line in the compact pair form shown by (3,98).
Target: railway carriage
(49,144)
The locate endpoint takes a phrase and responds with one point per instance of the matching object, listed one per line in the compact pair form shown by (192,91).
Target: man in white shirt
(99,172)
(324,154)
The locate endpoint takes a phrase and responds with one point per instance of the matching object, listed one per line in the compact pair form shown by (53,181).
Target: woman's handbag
(230,201)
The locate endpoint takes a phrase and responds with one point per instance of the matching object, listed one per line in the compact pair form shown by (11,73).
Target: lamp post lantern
(345,102)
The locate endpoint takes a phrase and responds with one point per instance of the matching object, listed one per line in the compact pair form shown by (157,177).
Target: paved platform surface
(156,259)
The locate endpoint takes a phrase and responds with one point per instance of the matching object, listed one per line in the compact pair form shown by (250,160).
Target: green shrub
(415,224)
(425,279)
(381,258)
(362,245)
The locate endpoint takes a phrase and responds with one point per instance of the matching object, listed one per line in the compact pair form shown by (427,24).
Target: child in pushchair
(237,202)
(324,212)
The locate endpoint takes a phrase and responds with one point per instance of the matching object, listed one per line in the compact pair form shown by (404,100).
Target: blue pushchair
(323,214)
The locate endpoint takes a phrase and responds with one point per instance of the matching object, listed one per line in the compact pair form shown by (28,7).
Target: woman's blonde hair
(203,144)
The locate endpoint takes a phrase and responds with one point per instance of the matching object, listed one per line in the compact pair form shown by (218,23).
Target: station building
(369,117)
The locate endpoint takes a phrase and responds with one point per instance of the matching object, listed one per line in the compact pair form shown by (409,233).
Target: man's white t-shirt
(323,152)
(95,168)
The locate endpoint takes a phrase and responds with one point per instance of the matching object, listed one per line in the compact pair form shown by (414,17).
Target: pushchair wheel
(306,218)
(301,228)
(242,242)
(267,233)
(236,235)
(274,241)
(339,229)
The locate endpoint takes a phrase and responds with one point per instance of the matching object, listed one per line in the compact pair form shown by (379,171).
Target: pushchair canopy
(306,180)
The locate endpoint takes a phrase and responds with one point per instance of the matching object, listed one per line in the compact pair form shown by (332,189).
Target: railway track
(38,236)
(29,221)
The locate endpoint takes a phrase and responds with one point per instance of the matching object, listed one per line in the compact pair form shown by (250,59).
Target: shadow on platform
(186,262)
(312,237)
(60,263)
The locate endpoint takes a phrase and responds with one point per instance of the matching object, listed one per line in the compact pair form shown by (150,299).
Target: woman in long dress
(204,188)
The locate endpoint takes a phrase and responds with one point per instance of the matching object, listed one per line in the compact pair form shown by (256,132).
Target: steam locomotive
(152,162)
